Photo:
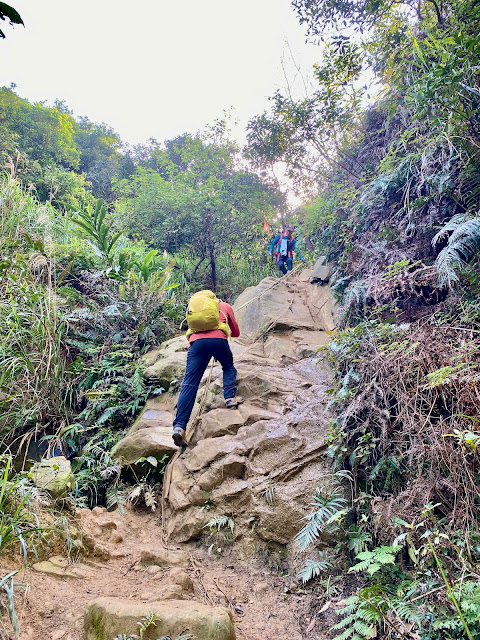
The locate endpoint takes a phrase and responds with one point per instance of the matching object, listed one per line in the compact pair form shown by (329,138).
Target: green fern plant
(328,511)
(314,568)
(221,530)
(361,613)
(373,561)
(463,245)
(371,608)
(220,522)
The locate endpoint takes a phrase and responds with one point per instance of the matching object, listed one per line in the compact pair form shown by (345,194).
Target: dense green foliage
(62,159)
(74,320)
(195,202)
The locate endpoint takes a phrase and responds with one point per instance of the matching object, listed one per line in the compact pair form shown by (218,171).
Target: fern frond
(150,499)
(373,561)
(463,245)
(313,568)
(409,613)
(364,629)
(348,620)
(219,522)
(327,507)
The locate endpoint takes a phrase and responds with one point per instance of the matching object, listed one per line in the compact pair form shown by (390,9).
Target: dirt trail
(266,604)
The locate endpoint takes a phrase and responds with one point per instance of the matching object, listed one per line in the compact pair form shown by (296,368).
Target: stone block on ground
(59,567)
(187,524)
(177,586)
(106,618)
(321,272)
(53,475)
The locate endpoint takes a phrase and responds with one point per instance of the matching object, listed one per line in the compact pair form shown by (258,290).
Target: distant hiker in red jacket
(216,322)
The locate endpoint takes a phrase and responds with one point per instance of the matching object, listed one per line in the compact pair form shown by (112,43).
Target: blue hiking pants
(198,357)
(282,260)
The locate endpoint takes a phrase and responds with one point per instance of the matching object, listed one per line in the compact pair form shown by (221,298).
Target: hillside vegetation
(397,214)
(100,247)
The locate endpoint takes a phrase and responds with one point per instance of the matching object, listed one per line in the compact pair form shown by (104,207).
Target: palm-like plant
(97,232)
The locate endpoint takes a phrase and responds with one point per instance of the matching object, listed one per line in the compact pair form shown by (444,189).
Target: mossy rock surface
(53,475)
(106,618)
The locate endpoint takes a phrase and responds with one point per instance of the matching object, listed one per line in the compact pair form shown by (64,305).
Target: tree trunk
(213,266)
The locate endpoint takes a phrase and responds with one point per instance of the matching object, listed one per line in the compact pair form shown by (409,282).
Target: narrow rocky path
(251,471)
(264,602)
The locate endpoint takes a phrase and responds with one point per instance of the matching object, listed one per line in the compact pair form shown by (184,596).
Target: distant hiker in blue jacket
(284,245)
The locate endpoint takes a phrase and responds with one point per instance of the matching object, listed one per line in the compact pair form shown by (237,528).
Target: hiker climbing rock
(210,323)
(284,245)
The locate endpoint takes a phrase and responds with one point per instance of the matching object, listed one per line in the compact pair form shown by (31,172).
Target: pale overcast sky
(154,68)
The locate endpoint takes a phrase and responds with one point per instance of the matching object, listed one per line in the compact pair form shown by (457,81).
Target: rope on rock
(280,280)
(167,476)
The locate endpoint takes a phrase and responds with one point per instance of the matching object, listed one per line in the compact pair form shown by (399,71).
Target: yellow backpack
(203,314)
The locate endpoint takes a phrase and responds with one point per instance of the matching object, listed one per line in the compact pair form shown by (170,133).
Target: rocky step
(108,618)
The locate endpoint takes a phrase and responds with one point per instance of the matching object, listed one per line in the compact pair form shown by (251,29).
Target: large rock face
(258,465)
(292,303)
(107,618)
(261,463)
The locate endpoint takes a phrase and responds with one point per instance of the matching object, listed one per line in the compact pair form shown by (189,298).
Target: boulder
(162,557)
(321,272)
(285,305)
(59,567)
(177,586)
(53,475)
(107,618)
(321,306)
(188,523)
(155,441)
(167,362)
(149,435)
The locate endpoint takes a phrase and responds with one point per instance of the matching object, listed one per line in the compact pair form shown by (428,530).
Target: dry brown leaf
(311,625)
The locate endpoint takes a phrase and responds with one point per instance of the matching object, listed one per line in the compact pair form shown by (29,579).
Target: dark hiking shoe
(232,403)
(179,437)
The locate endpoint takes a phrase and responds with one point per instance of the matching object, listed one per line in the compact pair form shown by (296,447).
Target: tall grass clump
(32,359)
